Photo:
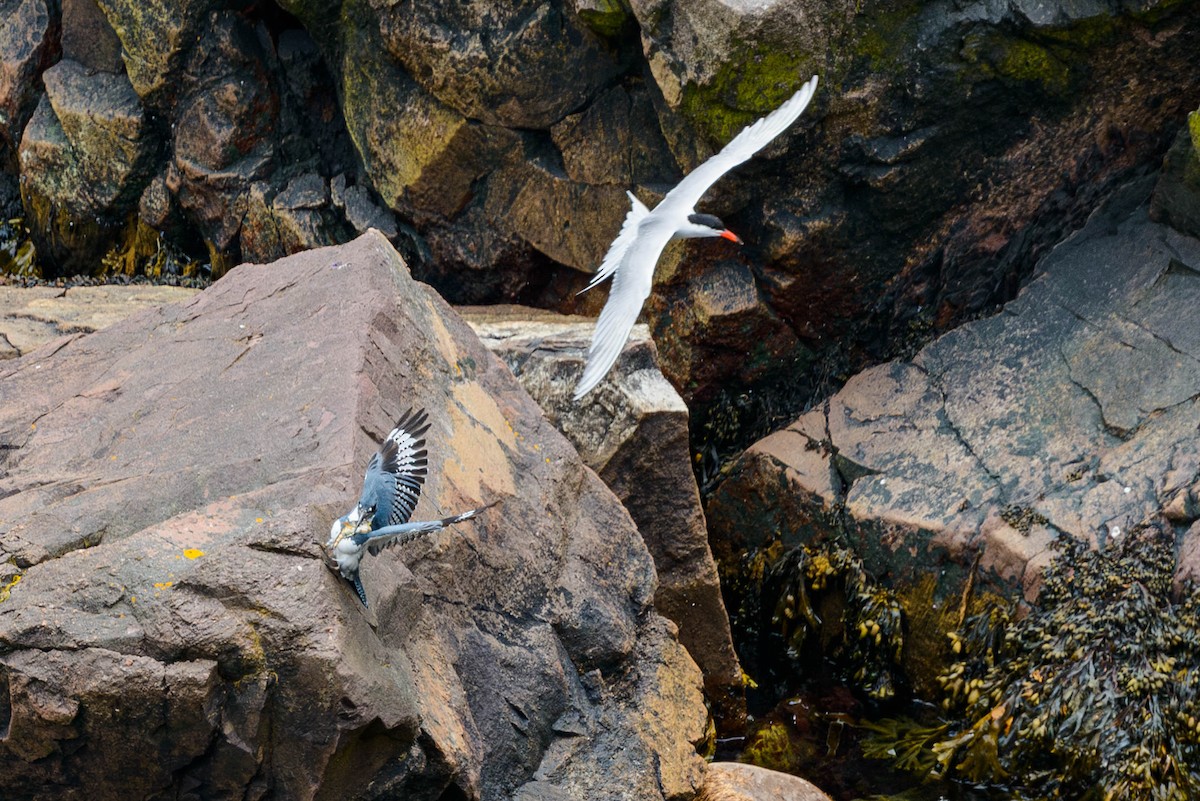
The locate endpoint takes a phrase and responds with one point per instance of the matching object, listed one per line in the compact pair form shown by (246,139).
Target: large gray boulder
(167,623)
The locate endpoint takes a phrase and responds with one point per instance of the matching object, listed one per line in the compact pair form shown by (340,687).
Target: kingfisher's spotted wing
(396,474)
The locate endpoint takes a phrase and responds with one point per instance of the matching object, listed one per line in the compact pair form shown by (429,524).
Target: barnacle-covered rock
(85,155)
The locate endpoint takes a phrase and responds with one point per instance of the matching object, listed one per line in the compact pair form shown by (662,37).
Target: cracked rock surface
(1076,409)
(168,626)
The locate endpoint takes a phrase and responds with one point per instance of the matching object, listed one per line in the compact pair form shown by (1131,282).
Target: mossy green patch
(1026,61)
(1014,59)
(885,38)
(607,17)
(744,90)
(397,139)
(1194,132)
(1083,35)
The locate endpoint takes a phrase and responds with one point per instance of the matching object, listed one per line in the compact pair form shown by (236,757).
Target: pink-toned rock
(32,316)
(734,781)
(170,627)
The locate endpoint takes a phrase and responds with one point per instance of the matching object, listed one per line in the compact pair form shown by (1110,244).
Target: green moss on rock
(1026,61)
(743,91)
(886,37)
(606,17)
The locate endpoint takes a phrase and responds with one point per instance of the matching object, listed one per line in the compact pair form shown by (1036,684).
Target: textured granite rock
(169,625)
(29,43)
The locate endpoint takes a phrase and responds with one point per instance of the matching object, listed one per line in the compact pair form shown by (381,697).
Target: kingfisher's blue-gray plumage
(391,489)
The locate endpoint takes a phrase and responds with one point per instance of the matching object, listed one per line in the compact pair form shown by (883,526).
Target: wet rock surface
(169,625)
(1071,412)
(633,431)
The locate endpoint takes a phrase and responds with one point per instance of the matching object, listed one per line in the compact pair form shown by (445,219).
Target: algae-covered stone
(605,17)
(156,36)
(85,157)
(422,155)
(102,119)
(523,64)
(724,63)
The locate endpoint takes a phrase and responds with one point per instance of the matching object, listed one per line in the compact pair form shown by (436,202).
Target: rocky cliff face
(167,623)
(951,142)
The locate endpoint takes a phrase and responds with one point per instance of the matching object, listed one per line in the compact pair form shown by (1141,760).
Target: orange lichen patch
(162,585)
(193,553)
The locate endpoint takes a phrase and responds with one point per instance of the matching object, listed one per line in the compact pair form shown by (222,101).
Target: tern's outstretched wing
(630,288)
(394,477)
(620,246)
(754,137)
(387,536)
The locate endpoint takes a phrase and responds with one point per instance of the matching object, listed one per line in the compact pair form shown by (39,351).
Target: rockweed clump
(1094,693)
(866,638)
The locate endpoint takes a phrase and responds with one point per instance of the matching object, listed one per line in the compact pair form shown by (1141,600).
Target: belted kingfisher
(632,256)
(390,492)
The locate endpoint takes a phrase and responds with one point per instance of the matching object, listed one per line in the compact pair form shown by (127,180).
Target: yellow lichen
(5,589)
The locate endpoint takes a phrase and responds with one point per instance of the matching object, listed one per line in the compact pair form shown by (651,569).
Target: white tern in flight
(634,253)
